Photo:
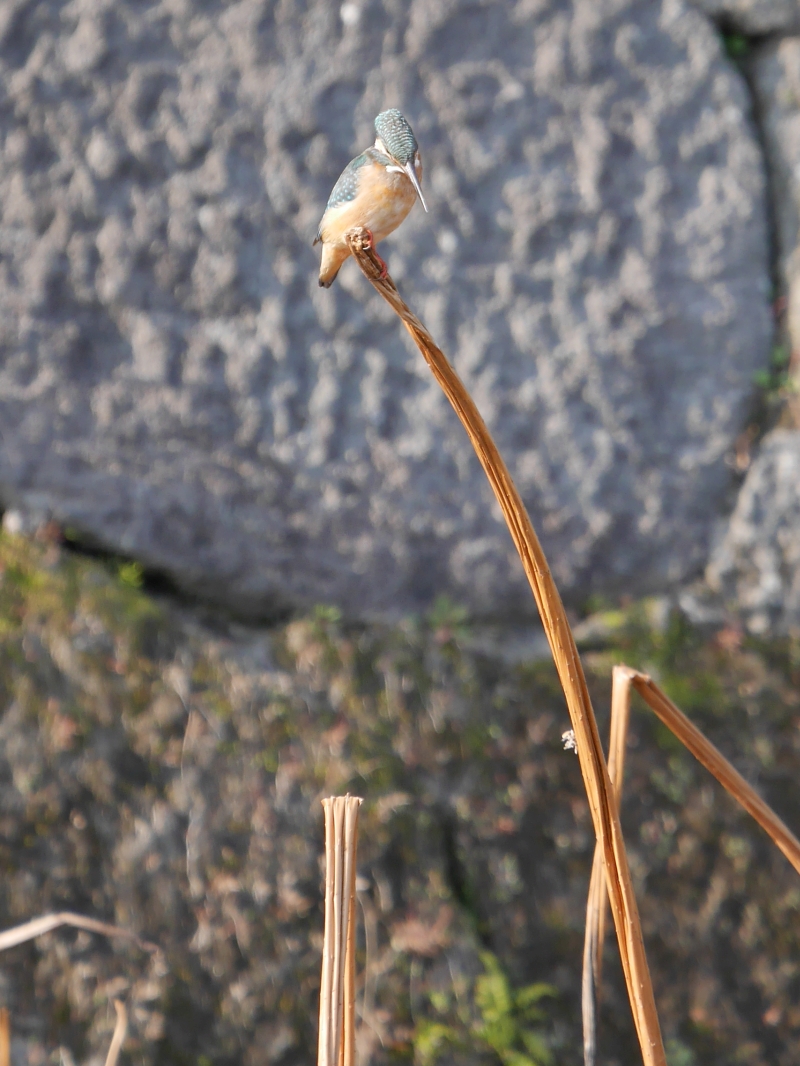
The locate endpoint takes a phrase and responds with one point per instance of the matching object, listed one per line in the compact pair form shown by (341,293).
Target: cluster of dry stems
(610,879)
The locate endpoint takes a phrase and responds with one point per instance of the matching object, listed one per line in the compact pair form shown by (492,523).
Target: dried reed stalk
(623,679)
(5,1037)
(19,934)
(337,994)
(592,948)
(590,753)
(120,1032)
(597,899)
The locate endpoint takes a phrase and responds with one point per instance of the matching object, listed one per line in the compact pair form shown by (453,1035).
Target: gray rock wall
(756,566)
(174,385)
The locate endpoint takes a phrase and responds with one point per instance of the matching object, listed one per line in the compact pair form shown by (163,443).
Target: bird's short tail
(332,258)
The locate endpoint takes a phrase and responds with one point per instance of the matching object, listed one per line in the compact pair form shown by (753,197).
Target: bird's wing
(346,188)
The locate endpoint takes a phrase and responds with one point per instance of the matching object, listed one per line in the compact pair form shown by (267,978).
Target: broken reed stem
(120,1032)
(716,764)
(559,635)
(337,993)
(19,934)
(623,679)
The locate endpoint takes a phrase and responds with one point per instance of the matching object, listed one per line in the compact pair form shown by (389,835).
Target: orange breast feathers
(383,201)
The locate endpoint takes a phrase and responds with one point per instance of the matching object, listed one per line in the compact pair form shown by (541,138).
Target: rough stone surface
(167,778)
(757,563)
(753,17)
(174,385)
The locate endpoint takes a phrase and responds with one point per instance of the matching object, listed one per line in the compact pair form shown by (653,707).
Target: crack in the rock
(763,416)
(758,126)
(154,581)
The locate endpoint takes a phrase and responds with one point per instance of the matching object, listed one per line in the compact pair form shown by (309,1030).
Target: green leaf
(326,613)
(516,1058)
(780,356)
(536,1047)
(531,994)
(678,1054)
(431,1039)
(131,574)
(492,991)
(449,618)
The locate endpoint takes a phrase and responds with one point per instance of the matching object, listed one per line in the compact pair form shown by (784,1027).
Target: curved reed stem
(590,753)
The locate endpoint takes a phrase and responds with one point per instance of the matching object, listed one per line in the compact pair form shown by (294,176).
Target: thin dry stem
(337,990)
(326,979)
(565,654)
(120,1032)
(5,1037)
(349,1019)
(592,950)
(337,984)
(371,969)
(597,899)
(19,934)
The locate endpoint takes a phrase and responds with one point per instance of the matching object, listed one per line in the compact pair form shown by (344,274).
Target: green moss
(131,574)
(775,380)
(736,45)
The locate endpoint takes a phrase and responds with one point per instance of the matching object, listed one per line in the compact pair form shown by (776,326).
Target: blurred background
(248,557)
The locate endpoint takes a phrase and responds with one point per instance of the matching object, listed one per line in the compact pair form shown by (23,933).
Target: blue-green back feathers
(346,188)
(393,129)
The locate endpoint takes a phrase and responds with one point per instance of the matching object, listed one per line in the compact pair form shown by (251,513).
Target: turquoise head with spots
(397,136)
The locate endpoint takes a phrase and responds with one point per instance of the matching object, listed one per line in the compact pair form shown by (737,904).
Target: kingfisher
(376,190)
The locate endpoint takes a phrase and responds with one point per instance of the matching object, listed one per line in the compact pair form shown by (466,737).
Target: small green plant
(448,620)
(131,574)
(506,1016)
(499,1022)
(736,45)
(776,379)
(678,1054)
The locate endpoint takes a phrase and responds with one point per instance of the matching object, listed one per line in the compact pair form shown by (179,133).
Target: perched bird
(376,190)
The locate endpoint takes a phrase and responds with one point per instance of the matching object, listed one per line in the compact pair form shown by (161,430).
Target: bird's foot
(371,244)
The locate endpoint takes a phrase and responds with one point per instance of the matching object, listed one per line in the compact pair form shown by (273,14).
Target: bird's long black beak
(409,169)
